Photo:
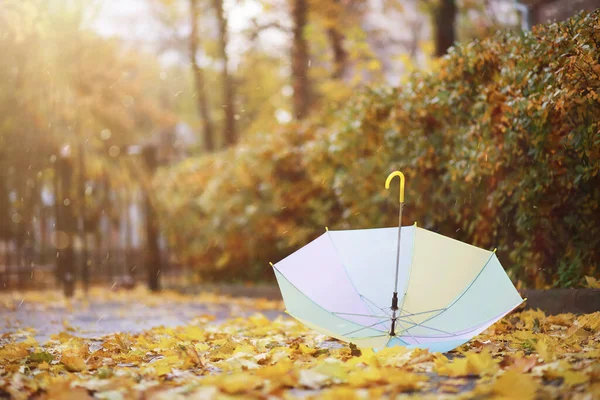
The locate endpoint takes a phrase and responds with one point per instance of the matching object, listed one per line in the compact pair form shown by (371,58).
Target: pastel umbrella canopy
(370,288)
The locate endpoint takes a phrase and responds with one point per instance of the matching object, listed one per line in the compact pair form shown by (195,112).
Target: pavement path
(96,316)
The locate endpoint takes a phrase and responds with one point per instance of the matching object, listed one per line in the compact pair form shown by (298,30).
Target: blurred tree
(336,40)
(300,60)
(229,127)
(5,224)
(444,31)
(61,84)
(201,95)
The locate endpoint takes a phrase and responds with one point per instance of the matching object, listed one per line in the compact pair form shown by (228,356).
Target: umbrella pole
(395,295)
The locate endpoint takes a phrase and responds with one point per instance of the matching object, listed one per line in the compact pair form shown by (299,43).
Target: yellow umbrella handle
(389,180)
(395,299)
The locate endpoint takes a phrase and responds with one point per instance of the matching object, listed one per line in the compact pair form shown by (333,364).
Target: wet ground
(96,316)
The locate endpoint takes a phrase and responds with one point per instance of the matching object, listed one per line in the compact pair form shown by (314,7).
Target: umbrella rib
(419,313)
(381,318)
(361,315)
(369,305)
(314,302)
(428,327)
(377,307)
(344,267)
(410,334)
(415,324)
(410,322)
(384,310)
(461,295)
(364,327)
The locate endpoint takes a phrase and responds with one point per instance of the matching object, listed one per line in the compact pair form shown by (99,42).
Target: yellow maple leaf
(13,352)
(573,378)
(365,377)
(62,390)
(403,380)
(193,333)
(482,363)
(304,349)
(515,385)
(333,369)
(30,342)
(73,362)
(281,373)
(458,367)
(43,366)
(544,348)
(592,282)
(473,363)
(238,383)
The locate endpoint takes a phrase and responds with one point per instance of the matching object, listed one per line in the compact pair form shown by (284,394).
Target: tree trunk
(445,19)
(128,232)
(66,224)
(85,266)
(336,41)
(300,81)
(5,224)
(201,99)
(229,128)
(106,247)
(152,251)
(340,57)
(57,216)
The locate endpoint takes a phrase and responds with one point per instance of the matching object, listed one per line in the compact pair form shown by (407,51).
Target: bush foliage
(500,147)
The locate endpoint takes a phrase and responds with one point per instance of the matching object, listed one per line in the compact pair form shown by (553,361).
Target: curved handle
(389,180)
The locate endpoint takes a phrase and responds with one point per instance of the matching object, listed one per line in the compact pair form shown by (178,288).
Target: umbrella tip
(415,224)
(495,248)
(271,264)
(326,229)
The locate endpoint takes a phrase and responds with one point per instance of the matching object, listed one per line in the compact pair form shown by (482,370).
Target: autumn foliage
(527,355)
(500,146)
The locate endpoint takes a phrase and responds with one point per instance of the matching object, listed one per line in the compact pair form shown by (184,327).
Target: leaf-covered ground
(527,355)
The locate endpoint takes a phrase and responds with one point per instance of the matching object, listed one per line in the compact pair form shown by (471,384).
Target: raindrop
(114,151)
(16,218)
(283,116)
(67,202)
(60,240)
(65,151)
(287,90)
(105,134)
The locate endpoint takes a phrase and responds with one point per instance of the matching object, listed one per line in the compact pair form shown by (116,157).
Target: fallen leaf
(73,362)
(515,385)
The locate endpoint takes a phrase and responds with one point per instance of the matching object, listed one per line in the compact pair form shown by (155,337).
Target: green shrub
(500,148)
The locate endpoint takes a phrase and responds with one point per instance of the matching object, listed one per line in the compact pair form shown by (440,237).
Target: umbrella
(400,286)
